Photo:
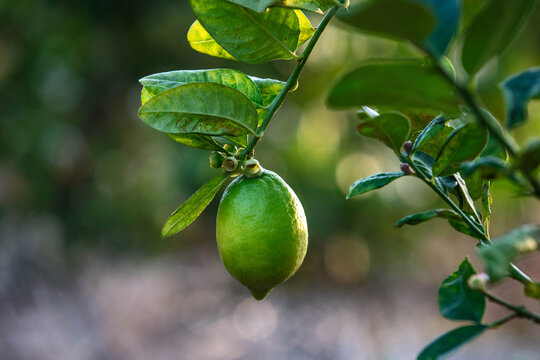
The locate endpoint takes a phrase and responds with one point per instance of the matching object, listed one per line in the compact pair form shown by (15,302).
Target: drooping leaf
(269,89)
(391,18)
(157,83)
(497,25)
(392,128)
(419,218)
(518,91)
(200,40)
(529,160)
(457,301)
(395,84)
(193,207)
(464,143)
(197,141)
(451,341)
(249,36)
(463,228)
(489,167)
(309,5)
(200,108)
(469,201)
(373,182)
(498,256)
(447,13)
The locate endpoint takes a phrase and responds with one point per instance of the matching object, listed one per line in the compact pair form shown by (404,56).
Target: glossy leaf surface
(373,182)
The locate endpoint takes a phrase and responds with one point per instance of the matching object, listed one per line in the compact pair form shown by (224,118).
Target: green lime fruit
(261,231)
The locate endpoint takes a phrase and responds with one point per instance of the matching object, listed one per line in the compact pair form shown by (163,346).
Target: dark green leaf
(489,167)
(253,37)
(193,207)
(392,128)
(464,143)
(200,108)
(398,84)
(203,142)
(447,14)
(487,200)
(498,256)
(424,162)
(451,341)
(493,30)
(464,190)
(416,219)
(459,302)
(157,83)
(529,159)
(391,18)
(373,182)
(518,90)
(238,141)
(200,40)
(462,227)
(432,129)
(310,5)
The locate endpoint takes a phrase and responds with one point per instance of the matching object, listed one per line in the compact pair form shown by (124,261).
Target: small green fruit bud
(478,281)
(216,160)
(253,169)
(230,164)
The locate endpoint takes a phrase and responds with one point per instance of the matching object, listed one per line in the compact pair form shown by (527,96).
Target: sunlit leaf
(419,218)
(200,40)
(392,128)
(157,83)
(498,256)
(391,18)
(193,207)
(269,88)
(493,29)
(373,182)
(456,300)
(201,108)
(249,36)
(310,5)
(518,90)
(396,84)
(464,143)
(450,342)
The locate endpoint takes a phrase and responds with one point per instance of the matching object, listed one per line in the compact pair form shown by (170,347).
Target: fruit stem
(291,82)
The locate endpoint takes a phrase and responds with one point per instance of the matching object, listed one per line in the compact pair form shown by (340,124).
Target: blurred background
(85,187)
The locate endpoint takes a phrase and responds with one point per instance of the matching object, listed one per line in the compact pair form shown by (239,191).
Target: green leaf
(518,91)
(487,201)
(467,196)
(464,143)
(498,256)
(203,142)
(392,128)
(447,13)
(463,228)
(200,40)
(201,108)
(424,162)
(459,302)
(419,218)
(238,141)
(532,290)
(269,89)
(398,84)
(451,341)
(309,5)
(435,127)
(391,18)
(493,30)
(529,159)
(157,83)
(373,182)
(489,167)
(193,207)
(249,36)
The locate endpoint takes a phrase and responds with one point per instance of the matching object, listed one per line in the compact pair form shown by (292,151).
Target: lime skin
(261,232)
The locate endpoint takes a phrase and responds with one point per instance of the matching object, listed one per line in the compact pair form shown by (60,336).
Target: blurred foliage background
(85,187)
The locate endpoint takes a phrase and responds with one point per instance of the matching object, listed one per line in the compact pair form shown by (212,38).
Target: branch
(520,310)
